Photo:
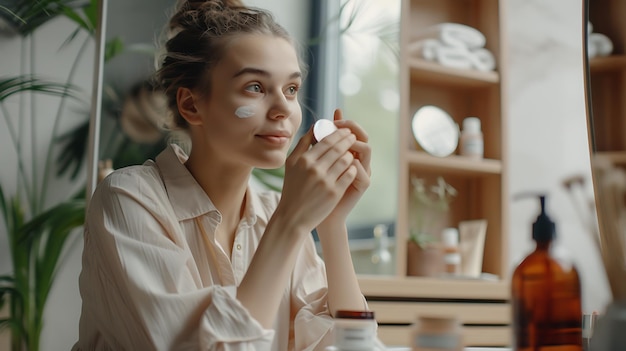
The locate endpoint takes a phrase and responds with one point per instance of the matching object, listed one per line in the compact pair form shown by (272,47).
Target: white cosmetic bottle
(472,144)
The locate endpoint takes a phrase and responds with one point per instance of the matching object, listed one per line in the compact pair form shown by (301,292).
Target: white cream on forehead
(246,111)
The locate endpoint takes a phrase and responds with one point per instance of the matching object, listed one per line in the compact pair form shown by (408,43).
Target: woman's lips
(277,139)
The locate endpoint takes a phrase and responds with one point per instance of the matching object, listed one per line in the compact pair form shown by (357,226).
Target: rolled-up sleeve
(141,289)
(313,324)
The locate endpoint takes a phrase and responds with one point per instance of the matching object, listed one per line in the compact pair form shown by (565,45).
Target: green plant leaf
(68,214)
(4,207)
(49,231)
(14,85)
(83,18)
(270,178)
(73,150)
(112,48)
(25,16)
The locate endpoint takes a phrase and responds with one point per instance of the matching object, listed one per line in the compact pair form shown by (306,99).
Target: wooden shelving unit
(608,81)
(481,305)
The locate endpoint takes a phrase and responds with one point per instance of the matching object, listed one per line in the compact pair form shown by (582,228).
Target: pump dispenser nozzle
(544,229)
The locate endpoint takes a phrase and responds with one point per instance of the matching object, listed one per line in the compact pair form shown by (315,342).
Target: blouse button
(238,246)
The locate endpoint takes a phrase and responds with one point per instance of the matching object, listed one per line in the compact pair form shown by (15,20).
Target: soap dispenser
(546,295)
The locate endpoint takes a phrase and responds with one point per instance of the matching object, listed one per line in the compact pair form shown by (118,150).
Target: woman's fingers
(362,178)
(354,127)
(363,152)
(303,143)
(346,179)
(340,165)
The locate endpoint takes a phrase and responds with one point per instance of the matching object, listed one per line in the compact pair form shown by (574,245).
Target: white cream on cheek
(246,111)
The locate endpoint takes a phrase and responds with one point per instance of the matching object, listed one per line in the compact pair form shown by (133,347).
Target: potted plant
(37,228)
(428,207)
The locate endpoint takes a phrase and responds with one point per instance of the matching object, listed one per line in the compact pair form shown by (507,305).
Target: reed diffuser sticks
(609,232)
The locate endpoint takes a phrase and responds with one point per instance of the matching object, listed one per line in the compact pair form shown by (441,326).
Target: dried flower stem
(609,234)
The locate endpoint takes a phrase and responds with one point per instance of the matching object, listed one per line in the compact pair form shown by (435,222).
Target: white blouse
(155,278)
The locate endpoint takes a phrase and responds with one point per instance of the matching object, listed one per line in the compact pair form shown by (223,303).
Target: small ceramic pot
(424,261)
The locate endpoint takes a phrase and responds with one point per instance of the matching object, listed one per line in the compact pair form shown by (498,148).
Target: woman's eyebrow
(258,71)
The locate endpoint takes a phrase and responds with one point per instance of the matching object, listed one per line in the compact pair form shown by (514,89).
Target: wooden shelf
(490,336)
(608,63)
(482,305)
(483,313)
(615,157)
(432,72)
(425,288)
(454,164)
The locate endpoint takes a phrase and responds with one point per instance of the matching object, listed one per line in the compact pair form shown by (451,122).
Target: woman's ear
(186,102)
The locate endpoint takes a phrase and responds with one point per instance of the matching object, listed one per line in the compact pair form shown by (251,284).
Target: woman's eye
(292,90)
(255,88)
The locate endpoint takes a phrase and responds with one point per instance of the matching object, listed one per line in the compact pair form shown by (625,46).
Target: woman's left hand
(362,158)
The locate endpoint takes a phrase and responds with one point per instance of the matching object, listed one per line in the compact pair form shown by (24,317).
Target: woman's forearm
(344,292)
(265,281)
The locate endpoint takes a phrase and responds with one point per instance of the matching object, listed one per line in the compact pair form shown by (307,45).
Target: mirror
(435,131)
(606,107)
(544,88)
(368,86)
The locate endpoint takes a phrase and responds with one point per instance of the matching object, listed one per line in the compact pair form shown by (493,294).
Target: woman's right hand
(316,178)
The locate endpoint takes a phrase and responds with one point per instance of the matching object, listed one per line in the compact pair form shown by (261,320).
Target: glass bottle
(451,252)
(546,296)
(381,255)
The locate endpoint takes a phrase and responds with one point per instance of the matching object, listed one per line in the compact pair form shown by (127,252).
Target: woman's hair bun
(215,4)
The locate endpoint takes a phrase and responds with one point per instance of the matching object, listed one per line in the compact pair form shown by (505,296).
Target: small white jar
(355,331)
(437,334)
(472,144)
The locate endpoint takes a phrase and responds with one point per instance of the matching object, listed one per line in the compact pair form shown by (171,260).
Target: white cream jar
(355,330)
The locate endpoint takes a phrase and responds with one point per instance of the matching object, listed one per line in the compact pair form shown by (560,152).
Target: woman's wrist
(333,236)
(332,223)
(285,226)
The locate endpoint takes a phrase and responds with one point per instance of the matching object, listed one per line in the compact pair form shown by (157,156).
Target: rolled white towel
(426,49)
(599,44)
(454,34)
(483,59)
(455,57)
(452,56)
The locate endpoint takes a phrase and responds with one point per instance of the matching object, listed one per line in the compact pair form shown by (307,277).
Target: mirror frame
(93,140)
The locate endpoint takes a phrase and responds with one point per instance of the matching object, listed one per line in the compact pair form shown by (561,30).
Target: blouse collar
(187,196)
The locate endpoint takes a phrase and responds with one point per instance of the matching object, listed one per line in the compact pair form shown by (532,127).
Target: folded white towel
(426,49)
(453,56)
(483,59)
(454,34)
(599,44)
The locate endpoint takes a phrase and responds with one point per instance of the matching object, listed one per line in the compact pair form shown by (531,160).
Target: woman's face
(252,113)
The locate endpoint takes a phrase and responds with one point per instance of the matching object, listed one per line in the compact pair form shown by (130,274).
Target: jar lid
(355,314)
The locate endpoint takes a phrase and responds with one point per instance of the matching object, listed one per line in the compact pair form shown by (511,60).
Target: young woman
(180,253)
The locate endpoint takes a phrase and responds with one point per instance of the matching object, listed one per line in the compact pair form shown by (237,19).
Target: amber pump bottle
(546,297)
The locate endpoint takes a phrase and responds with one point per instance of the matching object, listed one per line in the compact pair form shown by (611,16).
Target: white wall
(547,124)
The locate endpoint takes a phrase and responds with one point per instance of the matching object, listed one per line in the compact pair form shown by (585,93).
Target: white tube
(472,244)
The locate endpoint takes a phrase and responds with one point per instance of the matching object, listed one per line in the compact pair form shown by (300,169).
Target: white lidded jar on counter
(437,333)
(355,331)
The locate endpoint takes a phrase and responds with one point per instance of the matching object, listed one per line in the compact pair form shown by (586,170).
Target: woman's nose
(281,107)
